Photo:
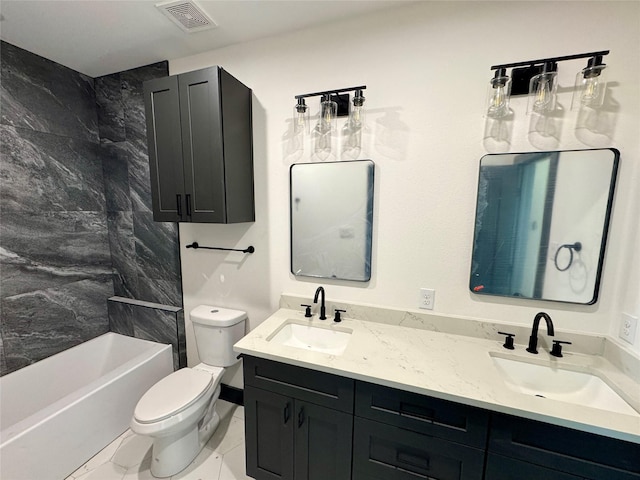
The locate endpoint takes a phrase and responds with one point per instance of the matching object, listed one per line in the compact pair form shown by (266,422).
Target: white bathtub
(59,412)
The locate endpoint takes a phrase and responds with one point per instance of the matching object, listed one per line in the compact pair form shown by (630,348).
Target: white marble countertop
(451,367)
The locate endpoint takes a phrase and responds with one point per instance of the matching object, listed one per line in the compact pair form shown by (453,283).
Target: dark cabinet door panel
(389,453)
(322,443)
(202,145)
(269,429)
(165,149)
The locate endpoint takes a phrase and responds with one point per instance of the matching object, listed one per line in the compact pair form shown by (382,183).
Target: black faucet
(323,312)
(533,339)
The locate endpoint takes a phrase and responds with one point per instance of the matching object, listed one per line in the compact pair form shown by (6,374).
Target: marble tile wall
(55,263)
(145,254)
(75,203)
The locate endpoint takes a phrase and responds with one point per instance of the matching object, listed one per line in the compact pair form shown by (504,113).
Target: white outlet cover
(628,328)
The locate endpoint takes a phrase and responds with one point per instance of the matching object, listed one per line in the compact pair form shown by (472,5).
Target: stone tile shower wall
(145,254)
(75,215)
(55,262)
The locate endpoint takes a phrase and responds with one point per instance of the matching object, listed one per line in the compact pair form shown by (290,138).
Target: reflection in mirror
(541,224)
(331,219)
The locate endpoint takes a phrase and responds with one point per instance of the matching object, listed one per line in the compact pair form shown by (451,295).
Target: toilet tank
(216,330)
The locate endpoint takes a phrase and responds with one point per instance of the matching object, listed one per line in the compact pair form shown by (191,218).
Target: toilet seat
(172,395)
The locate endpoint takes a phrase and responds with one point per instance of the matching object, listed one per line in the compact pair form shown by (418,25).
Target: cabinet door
(202,147)
(165,149)
(269,430)
(323,441)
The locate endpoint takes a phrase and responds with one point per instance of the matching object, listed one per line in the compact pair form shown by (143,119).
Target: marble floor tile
(234,465)
(129,456)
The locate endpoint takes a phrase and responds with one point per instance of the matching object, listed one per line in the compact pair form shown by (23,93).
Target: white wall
(426,67)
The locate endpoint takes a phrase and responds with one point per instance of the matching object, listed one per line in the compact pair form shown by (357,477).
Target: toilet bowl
(178,412)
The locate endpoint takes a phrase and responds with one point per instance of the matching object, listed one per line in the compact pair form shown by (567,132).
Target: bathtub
(57,413)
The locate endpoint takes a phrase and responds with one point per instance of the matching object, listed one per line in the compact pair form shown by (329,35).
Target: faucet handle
(337,318)
(307,312)
(508,341)
(556,350)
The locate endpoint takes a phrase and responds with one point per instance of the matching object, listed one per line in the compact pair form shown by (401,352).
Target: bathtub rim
(14,431)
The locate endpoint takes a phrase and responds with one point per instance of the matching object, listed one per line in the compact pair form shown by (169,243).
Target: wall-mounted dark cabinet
(199,134)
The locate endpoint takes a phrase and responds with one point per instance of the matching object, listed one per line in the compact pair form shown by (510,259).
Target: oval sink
(560,384)
(330,339)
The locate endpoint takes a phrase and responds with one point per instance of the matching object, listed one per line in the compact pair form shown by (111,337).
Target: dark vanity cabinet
(199,134)
(303,424)
(521,449)
(299,422)
(403,435)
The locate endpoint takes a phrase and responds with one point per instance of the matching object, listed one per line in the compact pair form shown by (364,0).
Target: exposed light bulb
(542,90)
(543,95)
(328,114)
(590,85)
(498,95)
(300,117)
(356,117)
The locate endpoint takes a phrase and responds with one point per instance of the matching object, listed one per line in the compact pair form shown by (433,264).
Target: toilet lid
(172,394)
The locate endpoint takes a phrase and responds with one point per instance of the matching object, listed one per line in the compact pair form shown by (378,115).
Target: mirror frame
(368,254)
(605,227)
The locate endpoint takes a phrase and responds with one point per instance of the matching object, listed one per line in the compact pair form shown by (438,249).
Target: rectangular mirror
(541,224)
(331,219)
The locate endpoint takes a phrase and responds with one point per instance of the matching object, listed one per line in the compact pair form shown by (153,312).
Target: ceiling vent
(187,15)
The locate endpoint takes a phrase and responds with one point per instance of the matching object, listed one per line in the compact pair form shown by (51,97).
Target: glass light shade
(591,85)
(542,91)
(357,114)
(300,117)
(327,122)
(498,95)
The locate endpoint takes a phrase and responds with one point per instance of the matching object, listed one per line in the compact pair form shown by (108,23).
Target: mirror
(541,224)
(331,219)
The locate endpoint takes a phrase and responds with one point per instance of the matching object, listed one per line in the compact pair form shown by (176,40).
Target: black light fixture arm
(542,61)
(331,92)
(195,246)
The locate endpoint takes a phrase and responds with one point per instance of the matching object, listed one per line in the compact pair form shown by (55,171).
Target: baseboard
(232,394)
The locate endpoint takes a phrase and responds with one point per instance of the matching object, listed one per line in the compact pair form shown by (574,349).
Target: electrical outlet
(427,298)
(628,327)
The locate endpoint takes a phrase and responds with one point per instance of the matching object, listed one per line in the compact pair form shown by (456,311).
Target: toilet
(178,411)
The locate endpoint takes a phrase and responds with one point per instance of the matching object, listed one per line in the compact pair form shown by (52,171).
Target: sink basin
(330,339)
(560,384)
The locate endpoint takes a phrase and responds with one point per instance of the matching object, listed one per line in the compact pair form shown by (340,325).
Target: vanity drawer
(309,385)
(384,452)
(431,416)
(586,455)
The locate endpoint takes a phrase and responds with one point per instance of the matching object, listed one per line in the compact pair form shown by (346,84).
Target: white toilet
(178,411)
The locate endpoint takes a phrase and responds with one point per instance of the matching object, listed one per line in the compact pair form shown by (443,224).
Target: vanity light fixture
(590,84)
(538,79)
(498,94)
(334,103)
